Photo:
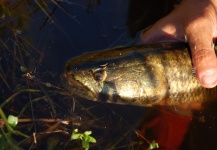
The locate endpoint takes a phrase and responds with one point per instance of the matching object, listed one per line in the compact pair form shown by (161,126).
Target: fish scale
(142,75)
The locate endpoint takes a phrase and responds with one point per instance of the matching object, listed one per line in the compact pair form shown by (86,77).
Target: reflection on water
(36,40)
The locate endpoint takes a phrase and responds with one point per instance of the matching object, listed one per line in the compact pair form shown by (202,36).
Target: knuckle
(203,56)
(198,23)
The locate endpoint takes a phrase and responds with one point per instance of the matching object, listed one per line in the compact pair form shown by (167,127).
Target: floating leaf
(12,120)
(23,69)
(153,145)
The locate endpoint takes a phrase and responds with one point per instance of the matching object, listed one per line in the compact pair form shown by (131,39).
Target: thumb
(203,55)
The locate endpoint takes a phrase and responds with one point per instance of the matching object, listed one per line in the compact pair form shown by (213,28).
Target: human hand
(196,22)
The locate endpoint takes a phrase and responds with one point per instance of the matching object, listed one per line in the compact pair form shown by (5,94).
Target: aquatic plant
(35,110)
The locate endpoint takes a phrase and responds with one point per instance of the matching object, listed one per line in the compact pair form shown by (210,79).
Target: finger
(203,55)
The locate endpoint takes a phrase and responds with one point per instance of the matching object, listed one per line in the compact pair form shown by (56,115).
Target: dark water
(77,27)
(83,30)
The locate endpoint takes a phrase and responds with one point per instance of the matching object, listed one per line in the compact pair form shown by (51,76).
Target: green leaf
(92,139)
(87,132)
(49,85)
(153,145)
(140,142)
(85,137)
(12,120)
(75,130)
(76,136)
(23,69)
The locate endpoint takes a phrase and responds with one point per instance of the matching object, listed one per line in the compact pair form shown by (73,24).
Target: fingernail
(209,78)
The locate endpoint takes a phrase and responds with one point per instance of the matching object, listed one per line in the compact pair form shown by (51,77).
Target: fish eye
(98,77)
(99,74)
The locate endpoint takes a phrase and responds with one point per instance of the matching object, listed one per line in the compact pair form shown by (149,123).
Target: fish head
(84,76)
(83,81)
(113,77)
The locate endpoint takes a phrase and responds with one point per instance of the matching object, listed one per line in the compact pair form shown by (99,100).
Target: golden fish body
(142,75)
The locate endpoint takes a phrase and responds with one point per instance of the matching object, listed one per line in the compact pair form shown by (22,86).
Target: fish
(140,75)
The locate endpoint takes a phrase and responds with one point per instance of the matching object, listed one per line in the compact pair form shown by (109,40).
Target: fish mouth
(76,87)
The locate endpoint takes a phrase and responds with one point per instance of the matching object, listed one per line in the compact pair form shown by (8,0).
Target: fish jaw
(77,88)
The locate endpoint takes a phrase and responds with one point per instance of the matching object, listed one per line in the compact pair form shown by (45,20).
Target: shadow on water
(37,38)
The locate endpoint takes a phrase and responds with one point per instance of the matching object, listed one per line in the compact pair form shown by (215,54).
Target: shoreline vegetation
(35,111)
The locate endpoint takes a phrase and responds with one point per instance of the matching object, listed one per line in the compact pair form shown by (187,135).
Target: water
(33,57)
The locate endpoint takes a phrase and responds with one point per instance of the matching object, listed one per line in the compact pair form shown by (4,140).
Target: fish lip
(76,87)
